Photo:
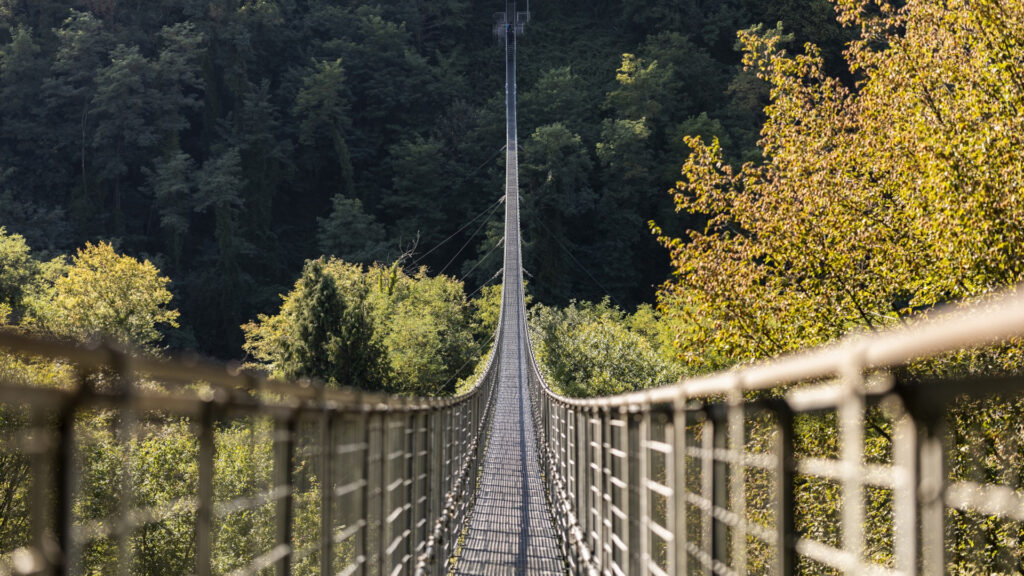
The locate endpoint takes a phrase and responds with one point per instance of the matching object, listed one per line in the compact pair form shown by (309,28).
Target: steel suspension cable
(483,223)
(480,261)
(489,208)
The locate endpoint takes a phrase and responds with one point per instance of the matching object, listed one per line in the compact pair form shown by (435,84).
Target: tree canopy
(873,203)
(99,293)
(231,141)
(376,328)
(588,349)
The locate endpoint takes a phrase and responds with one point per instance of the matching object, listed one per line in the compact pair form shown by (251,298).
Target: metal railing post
(600,481)
(643,547)
(736,422)
(363,534)
(385,504)
(447,548)
(785,499)
(42,542)
(678,505)
(930,488)
(372,504)
(437,480)
(582,466)
(572,475)
(284,447)
(64,476)
(327,452)
(851,433)
(562,448)
(204,510)
(712,491)
(905,514)
(635,462)
(125,434)
(420,510)
(409,492)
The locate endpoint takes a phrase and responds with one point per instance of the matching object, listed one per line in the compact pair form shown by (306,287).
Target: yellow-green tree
(18,271)
(375,327)
(324,329)
(588,349)
(100,293)
(871,203)
(103,293)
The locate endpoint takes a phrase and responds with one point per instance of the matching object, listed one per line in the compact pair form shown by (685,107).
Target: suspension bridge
(707,476)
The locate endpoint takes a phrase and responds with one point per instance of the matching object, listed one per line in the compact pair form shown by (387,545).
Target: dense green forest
(228,141)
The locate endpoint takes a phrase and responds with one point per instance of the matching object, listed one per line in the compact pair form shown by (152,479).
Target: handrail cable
(484,285)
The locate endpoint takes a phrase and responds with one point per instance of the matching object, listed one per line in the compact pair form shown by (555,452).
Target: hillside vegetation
(874,202)
(229,141)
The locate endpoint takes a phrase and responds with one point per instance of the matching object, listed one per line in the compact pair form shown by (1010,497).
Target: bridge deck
(511,530)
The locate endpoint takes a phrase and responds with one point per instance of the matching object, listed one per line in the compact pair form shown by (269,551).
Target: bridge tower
(503,24)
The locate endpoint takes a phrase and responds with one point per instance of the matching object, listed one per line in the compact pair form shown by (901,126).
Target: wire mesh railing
(118,464)
(854,459)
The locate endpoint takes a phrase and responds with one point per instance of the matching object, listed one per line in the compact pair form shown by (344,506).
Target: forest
(229,141)
(297,178)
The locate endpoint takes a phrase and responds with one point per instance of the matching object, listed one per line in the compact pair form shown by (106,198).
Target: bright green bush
(590,349)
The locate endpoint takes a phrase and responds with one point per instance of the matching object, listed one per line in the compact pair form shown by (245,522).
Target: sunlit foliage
(104,294)
(590,349)
(876,200)
(376,327)
(872,203)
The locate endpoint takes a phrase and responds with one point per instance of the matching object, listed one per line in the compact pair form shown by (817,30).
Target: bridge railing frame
(416,514)
(626,474)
